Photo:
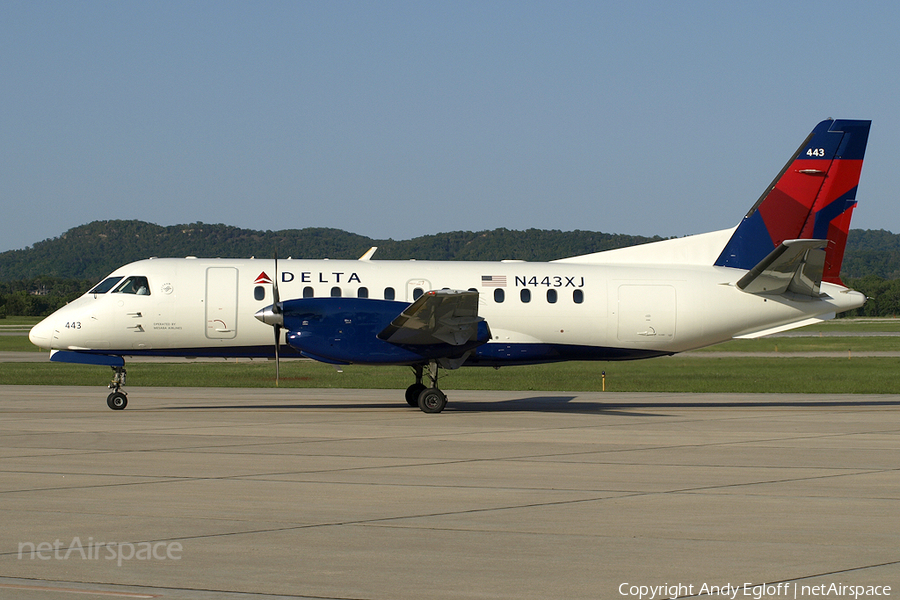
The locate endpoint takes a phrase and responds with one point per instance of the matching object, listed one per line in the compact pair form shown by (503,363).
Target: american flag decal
(493,280)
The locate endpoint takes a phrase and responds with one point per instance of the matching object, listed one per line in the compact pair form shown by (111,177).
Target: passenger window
(551,296)
(134,285)
(335,292)
(362,292)
(389,293)
(105,285)
(578,296)
(259,293)
(499,295)
(525,295)
(308,292)
(417,293)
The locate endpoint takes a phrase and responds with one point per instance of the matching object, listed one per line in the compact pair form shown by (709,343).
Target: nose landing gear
(117,399)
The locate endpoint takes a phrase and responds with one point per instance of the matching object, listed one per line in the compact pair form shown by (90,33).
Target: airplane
(778,269)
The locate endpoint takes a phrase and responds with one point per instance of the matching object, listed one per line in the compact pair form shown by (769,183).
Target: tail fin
(812,198)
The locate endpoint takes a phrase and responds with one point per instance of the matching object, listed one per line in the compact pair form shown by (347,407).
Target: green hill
(92,251)
(872,252)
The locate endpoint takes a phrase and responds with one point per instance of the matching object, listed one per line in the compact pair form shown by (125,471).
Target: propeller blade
(276,309)
(277,329)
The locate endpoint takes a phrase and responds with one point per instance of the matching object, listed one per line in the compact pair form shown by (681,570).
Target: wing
(441,316)
(439,325)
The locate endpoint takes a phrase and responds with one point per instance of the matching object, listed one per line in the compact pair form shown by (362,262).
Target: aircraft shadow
(527,404)
(567,404)
(561,404)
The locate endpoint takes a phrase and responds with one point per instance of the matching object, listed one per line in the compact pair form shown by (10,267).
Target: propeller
(273,315)
(276,310)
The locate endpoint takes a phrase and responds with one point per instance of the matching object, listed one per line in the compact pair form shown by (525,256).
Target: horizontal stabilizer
(442,316)
(795,267)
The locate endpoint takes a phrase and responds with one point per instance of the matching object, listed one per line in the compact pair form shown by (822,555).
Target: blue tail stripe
(825,216)
(853,146)
(744,248)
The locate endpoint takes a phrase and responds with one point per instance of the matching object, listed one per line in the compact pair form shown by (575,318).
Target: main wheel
(432,400)
(117,400)
(412,393)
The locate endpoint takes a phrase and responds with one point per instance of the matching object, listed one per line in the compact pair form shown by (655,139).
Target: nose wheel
(117,399)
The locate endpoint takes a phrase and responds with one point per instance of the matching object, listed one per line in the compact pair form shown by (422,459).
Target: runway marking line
(43,588)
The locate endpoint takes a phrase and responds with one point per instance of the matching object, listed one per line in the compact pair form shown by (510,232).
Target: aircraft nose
(41,335)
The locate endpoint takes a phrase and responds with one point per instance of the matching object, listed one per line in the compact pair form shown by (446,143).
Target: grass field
(17,343)
(809,344)
(782,374)
(14,334)
(19,321)
(669,374)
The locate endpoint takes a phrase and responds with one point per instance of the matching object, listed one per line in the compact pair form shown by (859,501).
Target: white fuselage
(206,307)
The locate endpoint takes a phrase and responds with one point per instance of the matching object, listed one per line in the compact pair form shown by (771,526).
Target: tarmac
(347,494)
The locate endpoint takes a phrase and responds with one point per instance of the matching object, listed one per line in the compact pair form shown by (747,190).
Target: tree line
(883,296)
(94,250)
(39,296)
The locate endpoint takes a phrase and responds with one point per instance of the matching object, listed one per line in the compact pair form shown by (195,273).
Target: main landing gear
(428,399)
(117,399)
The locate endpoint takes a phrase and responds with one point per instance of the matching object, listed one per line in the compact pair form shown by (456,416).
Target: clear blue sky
(396,119)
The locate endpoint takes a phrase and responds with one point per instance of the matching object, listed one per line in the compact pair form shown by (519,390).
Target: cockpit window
(135,284)
(105,285)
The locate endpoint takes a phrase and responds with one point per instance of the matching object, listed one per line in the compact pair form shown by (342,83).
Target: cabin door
(221,303)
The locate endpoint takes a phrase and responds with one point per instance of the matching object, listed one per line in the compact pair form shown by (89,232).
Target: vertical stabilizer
(812,198)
